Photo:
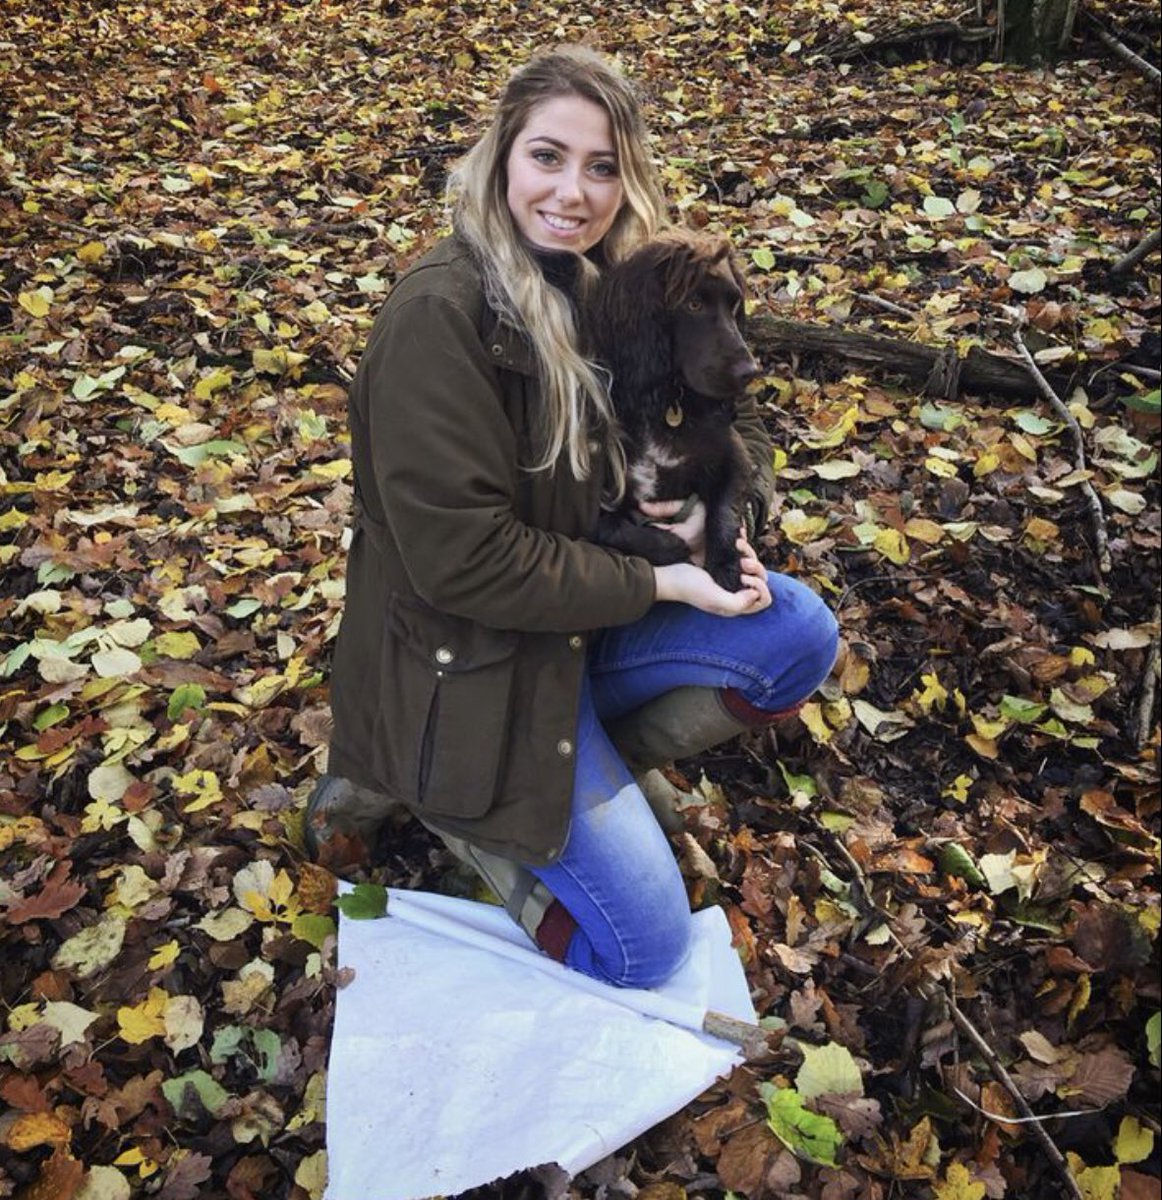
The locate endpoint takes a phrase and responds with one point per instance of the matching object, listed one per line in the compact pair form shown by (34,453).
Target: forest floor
(944,879)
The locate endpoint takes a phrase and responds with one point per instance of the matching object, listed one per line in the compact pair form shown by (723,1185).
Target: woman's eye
(545,157)
(606,170)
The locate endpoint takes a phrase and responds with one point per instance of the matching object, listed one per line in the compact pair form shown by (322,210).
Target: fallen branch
(1144,722)
(1104,561)
(1146,246)
(978,371)
(1127,55)
(904,36)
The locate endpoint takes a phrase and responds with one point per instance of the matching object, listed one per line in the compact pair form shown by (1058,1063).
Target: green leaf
(939,206)
(937,416)
(803,1132)
(956,861)
(1034,423)
(1028,282)
(194,1087)
(268,1046)
(1015,708)
(313,928)
(365,902)
(828,1070)
(875,195)
(1154,1039)
(1146,402)
(53,715)
(194,456)
(185,695)
(244,607)
(763,258)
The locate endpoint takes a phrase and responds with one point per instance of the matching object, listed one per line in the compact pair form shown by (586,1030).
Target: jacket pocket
(454,681)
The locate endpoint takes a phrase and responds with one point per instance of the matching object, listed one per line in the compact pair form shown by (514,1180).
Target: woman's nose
(569,186)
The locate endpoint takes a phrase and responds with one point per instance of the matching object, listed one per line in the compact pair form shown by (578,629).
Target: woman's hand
(691,529)
(688,584)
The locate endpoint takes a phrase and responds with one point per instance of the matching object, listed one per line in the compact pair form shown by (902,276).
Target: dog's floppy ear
(628,322)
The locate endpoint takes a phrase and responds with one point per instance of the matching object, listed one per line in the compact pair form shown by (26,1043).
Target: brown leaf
(1110,938)
(1101,1078)
(746,1157)
(857,1116)
(58,895)
(186,1175)
(1136,1186)
(59,1179)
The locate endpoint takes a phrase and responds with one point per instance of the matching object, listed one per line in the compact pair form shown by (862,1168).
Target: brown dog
(666,322)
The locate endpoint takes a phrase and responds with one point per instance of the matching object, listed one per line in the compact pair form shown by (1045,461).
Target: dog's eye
(694,305)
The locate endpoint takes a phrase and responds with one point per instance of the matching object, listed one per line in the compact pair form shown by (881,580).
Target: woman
(488,649)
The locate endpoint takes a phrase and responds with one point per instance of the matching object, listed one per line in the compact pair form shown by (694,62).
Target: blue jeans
(617,876)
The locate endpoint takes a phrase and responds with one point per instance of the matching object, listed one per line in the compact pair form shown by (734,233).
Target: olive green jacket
(471,587)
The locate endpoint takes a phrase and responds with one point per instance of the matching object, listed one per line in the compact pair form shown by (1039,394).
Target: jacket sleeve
(445,463)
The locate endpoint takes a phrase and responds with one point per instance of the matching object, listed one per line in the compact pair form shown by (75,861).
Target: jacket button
(576,642)
(564,747)
(444,655)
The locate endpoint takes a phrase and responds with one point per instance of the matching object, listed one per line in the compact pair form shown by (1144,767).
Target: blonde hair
(576,399)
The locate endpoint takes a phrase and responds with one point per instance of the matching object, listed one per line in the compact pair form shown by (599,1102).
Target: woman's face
(564,190)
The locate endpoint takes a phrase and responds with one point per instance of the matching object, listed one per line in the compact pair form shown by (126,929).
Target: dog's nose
(746,369)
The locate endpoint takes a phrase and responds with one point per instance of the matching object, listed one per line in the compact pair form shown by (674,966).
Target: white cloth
(461,1054)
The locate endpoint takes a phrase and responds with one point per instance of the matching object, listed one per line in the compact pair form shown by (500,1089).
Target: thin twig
(1006,1080)
(1144,722)
(1104,562)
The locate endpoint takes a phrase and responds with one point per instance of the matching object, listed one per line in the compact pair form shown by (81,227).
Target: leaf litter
(202,208)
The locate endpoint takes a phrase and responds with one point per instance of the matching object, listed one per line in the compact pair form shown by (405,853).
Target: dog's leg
(658,546)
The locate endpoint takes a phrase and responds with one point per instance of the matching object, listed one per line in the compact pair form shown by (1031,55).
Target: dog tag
(674,416)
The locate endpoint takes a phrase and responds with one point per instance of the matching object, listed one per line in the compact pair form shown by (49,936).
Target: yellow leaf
(91,252)
(986,463)
(812,717)
(164,956)
(1080,1000)
(941,467)
(101,814)
(337,468)
(140,1022)
(958,788)
(923,530)
(181,645)
(1134,1142)
(892,544)
(217,379)
(799,528)
(934,695)
(277,361)
(201,784)
(281,889)
(985,747)
(311,1174)
(1041,530)
(959,1185)
(36,1129)
(36,303)
(1096,1183)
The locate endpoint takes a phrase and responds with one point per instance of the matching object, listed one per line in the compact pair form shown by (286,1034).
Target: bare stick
(1146,246)
(1104,561)
(1006,1080)
(887,305)
(1145,715)
(1127,55)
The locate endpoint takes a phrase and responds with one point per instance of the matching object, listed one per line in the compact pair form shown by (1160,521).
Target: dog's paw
(727,574)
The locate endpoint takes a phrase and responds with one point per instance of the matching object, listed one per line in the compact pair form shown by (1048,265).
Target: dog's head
(674,308)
